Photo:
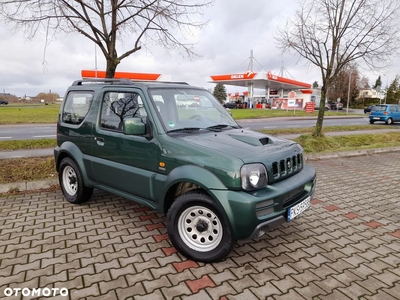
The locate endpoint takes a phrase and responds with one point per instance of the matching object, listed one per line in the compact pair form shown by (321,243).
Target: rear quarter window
(76,107)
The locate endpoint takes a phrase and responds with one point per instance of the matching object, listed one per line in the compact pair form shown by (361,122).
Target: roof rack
(164,82)
(102,80)
(121,81)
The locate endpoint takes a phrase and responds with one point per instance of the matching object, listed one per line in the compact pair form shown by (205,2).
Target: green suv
(174,147)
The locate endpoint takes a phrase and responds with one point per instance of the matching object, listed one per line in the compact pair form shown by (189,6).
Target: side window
(117,106)
(392,109)
(76,107)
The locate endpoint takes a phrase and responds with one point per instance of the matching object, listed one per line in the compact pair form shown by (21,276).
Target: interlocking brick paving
(346,246)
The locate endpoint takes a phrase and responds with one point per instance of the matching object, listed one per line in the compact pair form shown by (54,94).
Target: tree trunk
(321,113)
(111,67)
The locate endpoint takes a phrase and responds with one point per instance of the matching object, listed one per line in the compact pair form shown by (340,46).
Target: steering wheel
(194,117)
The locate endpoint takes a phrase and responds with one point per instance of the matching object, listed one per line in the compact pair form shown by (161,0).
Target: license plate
(376,118)
(296,210)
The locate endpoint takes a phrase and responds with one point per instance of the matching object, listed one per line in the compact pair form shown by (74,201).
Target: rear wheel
(197,229)
(389,121)
(71,182)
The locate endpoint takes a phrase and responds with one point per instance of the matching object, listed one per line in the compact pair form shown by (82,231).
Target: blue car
(387,113)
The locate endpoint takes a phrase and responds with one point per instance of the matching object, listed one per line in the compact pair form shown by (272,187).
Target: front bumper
(250,214)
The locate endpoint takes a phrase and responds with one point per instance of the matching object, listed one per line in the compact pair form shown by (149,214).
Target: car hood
(247,145)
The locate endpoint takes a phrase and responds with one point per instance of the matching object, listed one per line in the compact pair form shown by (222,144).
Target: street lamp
(387,87)
(348,94)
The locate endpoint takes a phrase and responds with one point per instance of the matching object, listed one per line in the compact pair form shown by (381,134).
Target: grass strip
(28,144)
(27,169)
(336,128)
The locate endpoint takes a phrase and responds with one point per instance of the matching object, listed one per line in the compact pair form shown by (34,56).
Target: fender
(198,175)
(190,173)
(68,149)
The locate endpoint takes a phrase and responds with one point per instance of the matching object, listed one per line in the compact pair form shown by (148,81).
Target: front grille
(287,166)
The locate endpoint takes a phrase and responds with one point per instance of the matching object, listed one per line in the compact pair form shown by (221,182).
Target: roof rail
(102,80)
(156,81)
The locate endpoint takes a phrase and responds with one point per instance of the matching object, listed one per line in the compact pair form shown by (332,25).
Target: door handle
(99,140)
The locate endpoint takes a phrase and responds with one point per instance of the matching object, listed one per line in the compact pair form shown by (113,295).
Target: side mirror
(134,126)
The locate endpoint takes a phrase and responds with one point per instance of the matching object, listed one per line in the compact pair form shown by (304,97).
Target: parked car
(326,107)
(3,102)
(387,113)
(335,105)
(216,181)
(230,104)
(368,109)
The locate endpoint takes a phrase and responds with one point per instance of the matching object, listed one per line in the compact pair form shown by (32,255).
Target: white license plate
(296,210)
(376,118)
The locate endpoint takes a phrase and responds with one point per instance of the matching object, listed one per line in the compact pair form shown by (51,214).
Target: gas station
(280,92)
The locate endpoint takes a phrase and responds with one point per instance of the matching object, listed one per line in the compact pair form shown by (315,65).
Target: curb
(27,185)
(44,184)
(351,153)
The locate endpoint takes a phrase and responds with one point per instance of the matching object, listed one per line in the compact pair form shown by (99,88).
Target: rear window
(379,108)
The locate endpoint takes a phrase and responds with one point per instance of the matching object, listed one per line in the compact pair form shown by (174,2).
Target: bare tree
(339,88)
(135,23)
(330,34)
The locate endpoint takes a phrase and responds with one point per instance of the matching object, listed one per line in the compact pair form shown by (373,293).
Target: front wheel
(71,182)
(371,121)
(197,229)
(389,121)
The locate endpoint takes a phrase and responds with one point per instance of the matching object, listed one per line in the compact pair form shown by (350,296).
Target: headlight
(254,176)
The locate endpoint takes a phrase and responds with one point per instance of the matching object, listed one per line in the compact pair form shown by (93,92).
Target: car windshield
(190,110)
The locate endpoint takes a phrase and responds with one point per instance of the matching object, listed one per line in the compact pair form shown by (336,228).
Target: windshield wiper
(189,129)
(219,127)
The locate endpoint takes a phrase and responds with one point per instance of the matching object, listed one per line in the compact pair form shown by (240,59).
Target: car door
(397,118)
(123,162)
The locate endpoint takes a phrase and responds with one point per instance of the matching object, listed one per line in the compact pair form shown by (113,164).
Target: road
(27,131)
(39,131)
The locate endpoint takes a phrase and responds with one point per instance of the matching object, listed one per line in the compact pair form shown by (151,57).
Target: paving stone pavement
(346,246)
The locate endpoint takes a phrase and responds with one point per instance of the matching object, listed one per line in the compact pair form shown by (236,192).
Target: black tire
(389,121)
(371,121)
(197,229)
(71,182)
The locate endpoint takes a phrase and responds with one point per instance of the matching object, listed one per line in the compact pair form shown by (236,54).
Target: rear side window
(117,106)
(76,107)
(392,108)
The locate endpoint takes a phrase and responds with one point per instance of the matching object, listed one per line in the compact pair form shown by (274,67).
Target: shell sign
(292,95)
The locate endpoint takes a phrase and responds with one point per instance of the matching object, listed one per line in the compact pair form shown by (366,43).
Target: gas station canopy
(259,81)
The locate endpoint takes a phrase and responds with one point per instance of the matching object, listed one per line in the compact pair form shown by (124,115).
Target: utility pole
(348,95)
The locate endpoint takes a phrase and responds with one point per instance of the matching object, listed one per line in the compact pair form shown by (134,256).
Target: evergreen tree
(220,92)
(393,92)
(315,84)
(378,83)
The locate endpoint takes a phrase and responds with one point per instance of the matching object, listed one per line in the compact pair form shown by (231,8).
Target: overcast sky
(235,28)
